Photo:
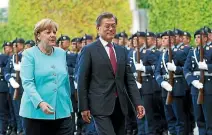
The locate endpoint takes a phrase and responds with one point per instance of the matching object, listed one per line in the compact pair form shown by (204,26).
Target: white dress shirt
(105,43)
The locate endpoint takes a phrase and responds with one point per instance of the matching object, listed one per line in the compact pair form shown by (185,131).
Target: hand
(171,66)
(13,83)
(166,86)
(17,67)
(197,84)
(75,84)
(86,116)
(46,108)
(140,66)
(138,85)
(141,111)
(203,65)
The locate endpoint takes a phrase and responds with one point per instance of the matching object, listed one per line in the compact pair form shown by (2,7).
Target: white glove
(135,74)
(166,86)
(203,65)
(197,84)
(17,67)
(13,83)
(138,85)
(75,84)
(171,66)
(140,66)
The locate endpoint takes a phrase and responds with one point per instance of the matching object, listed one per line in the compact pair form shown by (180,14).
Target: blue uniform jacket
(180,86)
(3,82)
(191,66)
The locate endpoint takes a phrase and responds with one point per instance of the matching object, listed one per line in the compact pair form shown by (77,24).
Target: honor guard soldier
(123,37)
(198,73)
(130,43)
(29,44)
(139,44)
(4,108)
(158,43)
(11,75)
(174,86)
(86,39)
(157,104)
(186,38)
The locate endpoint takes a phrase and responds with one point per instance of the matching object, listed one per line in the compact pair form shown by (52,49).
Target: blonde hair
(42,25)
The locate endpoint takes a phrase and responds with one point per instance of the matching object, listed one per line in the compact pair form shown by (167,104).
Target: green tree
(75,17)
(188,15)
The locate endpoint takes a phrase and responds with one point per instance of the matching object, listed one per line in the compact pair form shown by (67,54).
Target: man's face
(198,40)
(178,39)
(165,41)
(186,40)
(8,49)
(159,42)
(122,41)
(130,43)
(107,29)
(210,37)
(138,42)
(65,44)
(150,41)
(115,41)
(19,47)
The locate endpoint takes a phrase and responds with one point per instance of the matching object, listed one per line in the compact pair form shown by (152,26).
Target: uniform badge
(153,50)
(182,47)
(210,46)
(207,48)
(144,51)
(64,38)
(175,49)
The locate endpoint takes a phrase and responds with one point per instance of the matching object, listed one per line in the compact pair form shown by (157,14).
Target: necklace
(47,53)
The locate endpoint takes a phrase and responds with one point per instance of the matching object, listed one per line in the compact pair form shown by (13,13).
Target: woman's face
(48,37)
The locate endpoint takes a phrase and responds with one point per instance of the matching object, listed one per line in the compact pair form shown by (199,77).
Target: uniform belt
(13,74)
(197,73)
(166,77)
(144,74)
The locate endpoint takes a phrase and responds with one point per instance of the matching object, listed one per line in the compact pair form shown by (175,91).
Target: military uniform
(202,112)
(10,76)
(174,112)
(4,109)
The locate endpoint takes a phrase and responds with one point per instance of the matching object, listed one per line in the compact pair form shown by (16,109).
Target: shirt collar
(104,43)
(152,47)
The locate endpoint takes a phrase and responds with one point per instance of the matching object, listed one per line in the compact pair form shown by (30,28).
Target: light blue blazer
(45,78)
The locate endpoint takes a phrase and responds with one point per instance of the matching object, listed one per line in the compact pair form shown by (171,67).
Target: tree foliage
(75,17)
(188,15)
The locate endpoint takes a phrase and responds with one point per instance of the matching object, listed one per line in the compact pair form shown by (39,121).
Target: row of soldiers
(148,56)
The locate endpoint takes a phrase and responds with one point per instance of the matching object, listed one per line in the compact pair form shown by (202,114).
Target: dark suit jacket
(97,83)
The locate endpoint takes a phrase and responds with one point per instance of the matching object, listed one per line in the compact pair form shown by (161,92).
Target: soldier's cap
(76,39)
(150,34)
(139,34)
(168,33)
(117,36)
(178,32)
(30,42)
(123,34)
(207,29)
(185,33)
(18,40)
(158,35)
(87,37)
(200,31)
(7,44)
(64,37)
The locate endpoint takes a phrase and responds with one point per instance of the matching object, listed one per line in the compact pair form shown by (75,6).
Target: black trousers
(113,124)
(47,127)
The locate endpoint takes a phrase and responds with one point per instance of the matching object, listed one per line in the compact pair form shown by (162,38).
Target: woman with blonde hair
(45,106)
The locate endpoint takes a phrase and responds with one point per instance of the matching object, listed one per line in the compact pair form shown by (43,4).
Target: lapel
(101,50)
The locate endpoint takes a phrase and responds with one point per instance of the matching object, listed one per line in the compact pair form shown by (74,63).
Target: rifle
(85,39)
(16,92)
(169,98)
(139,77)
(156,42)
(200,94)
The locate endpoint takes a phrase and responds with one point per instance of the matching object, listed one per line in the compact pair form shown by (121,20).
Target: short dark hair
(105,15)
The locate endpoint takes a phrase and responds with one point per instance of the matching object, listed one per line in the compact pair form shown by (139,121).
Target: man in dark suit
(105,81)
